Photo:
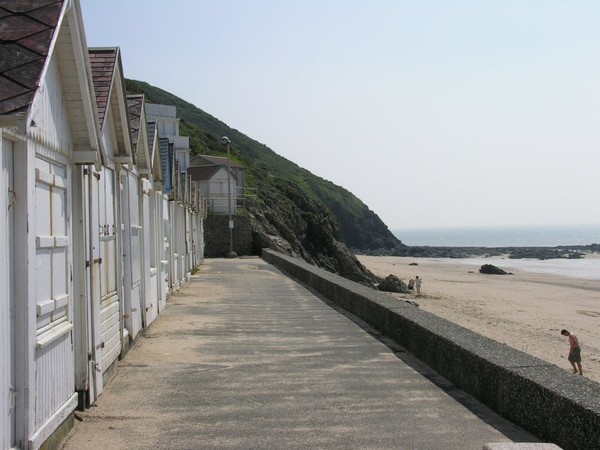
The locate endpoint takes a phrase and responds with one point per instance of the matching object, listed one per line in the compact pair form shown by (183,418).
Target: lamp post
(227,142)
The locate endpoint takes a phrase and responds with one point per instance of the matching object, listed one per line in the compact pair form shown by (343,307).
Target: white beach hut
(149,218)
(159,261)
(101,340)
(109,83)
(47,127)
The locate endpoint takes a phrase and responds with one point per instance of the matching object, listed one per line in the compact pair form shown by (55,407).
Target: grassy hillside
(360,228)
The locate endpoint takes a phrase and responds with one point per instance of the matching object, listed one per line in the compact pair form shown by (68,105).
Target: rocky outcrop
(392,283)
(284,218)
(490,269)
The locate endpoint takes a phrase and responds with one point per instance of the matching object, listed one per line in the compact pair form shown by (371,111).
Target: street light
(225,140)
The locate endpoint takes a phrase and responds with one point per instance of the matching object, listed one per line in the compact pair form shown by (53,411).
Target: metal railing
(217,203)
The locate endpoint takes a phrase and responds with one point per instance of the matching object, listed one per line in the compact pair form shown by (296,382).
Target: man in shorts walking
(574,352)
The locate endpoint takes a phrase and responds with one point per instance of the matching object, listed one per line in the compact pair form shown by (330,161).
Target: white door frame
(8,204)
(96,343)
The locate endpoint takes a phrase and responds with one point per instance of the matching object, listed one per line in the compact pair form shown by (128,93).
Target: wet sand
(524,310)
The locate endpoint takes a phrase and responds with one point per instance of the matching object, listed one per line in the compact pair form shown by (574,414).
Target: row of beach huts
(99,223)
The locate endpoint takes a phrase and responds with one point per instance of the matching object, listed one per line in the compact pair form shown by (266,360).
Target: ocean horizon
(515,236)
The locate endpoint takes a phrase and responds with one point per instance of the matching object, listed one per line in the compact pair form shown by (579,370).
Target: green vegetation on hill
(360,228)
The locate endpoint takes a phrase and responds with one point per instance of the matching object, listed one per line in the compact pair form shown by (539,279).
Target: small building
(217,185)
(236,169)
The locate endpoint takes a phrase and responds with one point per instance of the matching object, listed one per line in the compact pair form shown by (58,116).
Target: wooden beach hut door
(132,252)
(110,301)
(8,200)
(93,227)
(106,305)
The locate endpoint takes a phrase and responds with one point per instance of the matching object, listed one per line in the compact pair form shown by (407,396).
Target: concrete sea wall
(549,402)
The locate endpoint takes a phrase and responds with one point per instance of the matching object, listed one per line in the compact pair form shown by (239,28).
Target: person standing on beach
(418,285)
(574,352)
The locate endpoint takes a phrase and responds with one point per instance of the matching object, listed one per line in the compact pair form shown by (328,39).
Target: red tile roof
(103,61)
(26,29)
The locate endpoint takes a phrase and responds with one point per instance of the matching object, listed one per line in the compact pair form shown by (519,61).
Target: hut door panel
(131,252)
(136,253)
(7,298)
(162,218)
(54,353)
(91,179)
(110,308)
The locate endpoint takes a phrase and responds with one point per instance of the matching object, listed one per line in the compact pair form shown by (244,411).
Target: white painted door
(102,259)
(93,262)
(165,251)
(110,307)
(8,200)
(132,252)
(149,272)
(54,351)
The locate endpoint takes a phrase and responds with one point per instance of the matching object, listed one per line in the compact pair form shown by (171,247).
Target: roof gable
(201,173)
(109,89)
(32,34)
(102,62)
(154,150)
(207,160)
(138,131)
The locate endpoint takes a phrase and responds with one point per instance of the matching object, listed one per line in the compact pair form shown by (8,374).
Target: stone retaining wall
(549,402)
(216,232)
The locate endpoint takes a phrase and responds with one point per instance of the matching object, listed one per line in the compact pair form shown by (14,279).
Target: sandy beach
(525,310)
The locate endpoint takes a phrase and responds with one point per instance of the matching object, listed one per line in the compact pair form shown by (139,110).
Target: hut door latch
(13,200)
(13,397)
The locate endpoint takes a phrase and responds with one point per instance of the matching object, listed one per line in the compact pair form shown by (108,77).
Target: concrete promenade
(244,357)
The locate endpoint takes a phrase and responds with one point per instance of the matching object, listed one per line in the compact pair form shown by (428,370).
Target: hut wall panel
(51,124)
(54,377)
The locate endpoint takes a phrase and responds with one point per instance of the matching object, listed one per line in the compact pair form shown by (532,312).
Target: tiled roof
(203,160)
(103,62)
(203,172)
(26,30)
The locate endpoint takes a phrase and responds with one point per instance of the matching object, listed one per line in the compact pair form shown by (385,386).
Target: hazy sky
(432,112)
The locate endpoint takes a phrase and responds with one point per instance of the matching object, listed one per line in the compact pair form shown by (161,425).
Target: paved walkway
(244,357)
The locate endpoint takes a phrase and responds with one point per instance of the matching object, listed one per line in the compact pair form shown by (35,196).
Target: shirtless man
(574,352)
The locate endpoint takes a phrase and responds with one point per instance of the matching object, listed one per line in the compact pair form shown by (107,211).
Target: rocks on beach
(392,283)
(490,269)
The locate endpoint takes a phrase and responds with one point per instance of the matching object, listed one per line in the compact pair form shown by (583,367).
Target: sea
(542,236)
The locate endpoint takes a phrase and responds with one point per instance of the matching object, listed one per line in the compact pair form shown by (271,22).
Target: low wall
(549,402)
